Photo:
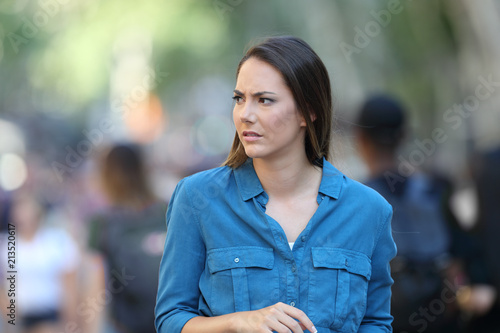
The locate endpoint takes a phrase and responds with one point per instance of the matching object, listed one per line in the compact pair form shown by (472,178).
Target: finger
(300,316)
(282,322)
(290,323)
(314,329)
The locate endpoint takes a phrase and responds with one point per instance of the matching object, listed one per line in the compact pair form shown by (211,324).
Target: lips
(251,134)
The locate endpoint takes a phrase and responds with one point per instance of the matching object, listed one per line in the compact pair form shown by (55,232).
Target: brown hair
(307,78)
(123,177)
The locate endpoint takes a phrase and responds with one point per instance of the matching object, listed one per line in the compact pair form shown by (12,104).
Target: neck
(287,177)
(377,160)
(29,234)
(381,163)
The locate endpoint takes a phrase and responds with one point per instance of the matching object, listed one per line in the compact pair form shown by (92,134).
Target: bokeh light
(212,135)
(13,171)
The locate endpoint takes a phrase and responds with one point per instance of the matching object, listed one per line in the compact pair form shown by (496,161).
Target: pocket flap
(240,256)
(334,258)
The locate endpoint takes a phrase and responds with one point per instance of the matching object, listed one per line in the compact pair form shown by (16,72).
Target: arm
(92,322)
(70,264)
(95,266)
(279,317)
(377,316)
(70,297)
(181,266)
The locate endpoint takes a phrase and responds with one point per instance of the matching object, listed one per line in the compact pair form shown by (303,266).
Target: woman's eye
(237,99)
(266,100)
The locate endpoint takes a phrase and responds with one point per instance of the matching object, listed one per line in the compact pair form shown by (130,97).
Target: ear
(312,116)
(312,113)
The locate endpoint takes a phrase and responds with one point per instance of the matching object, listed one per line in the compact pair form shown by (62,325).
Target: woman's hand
(280,317)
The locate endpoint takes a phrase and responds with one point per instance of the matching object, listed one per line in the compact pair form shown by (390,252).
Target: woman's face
(26,215)
(266,118)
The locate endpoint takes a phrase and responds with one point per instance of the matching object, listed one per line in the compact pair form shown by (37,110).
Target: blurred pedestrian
(46,260)
(5,203)
(487,231)
(424,271)
(129,235)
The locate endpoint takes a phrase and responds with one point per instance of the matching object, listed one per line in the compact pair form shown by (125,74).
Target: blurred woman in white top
(46,263)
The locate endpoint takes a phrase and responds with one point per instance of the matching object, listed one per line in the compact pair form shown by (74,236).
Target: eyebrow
(256,94)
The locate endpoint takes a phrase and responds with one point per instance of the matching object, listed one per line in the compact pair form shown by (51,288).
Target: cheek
(277,123)
(284,120)
(236,119)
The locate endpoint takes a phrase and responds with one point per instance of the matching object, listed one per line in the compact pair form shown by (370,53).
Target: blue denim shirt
(224,254)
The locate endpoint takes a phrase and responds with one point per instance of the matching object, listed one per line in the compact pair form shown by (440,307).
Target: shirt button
(236,260)
(346,263)
(294,268)
(303,238)
(292,303)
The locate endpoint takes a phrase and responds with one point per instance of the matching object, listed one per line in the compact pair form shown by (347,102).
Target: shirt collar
(246,178)
(249,184)
(331,181)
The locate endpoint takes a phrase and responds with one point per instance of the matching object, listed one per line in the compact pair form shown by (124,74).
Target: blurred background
(77,76)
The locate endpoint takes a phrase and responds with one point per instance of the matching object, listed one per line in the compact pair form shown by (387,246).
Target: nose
(247,113)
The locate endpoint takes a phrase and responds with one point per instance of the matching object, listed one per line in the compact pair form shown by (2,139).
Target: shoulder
(354,196)
(203,185)
(208,181)
(369,200)
(367,194)
(209,177)
(355,192)
(54,233)
(56,238)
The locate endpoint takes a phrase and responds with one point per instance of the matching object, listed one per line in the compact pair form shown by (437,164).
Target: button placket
(292,282)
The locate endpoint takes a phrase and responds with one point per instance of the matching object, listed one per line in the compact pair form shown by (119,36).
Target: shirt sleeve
(377,316)
(181,266)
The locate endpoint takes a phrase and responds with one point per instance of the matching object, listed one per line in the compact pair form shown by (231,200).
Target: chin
(252,153)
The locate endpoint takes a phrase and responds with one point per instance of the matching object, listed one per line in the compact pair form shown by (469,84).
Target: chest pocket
(338,287)
(246,273)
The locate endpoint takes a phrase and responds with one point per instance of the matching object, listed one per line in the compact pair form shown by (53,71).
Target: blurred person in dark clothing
(424,273)
(487,230)
(5,204)
(129,235)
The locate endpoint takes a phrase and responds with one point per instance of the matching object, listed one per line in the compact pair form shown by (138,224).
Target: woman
(127,235)
(277,239)
(47,259)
